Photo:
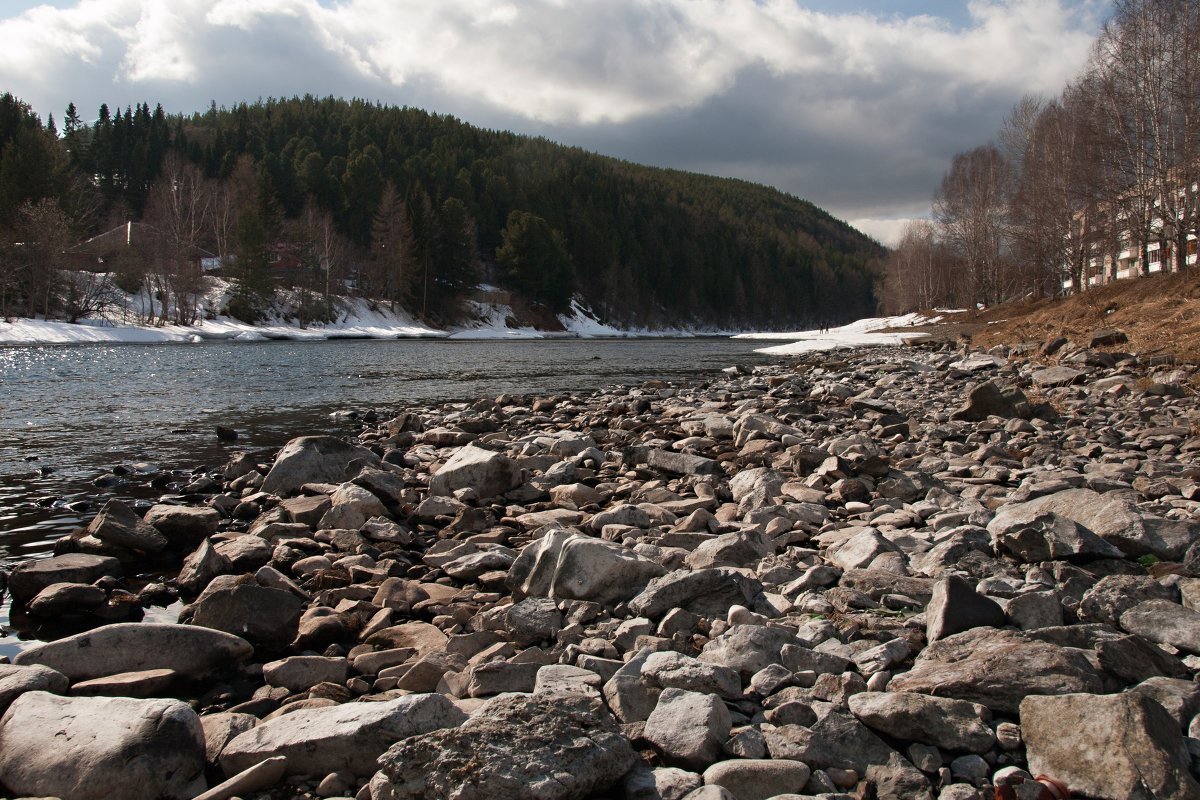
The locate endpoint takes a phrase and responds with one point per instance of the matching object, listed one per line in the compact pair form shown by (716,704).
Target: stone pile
(902,572)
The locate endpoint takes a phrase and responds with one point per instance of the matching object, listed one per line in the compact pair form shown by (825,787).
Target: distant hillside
(427,205)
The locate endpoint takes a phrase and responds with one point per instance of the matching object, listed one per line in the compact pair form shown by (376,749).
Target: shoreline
(719,575)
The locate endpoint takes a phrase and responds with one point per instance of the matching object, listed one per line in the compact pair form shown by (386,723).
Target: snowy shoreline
(361,321)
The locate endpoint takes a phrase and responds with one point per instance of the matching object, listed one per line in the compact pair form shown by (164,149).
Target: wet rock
(953,725)
(553,747)
(30,578)
(63,598)
(92,748)
(1107,746)
(486,472)
(119,525)
(183,525)
(130,647)
(315,459)
(996,668)
(349,737)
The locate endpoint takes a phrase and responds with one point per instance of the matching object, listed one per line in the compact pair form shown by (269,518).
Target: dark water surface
(70,414)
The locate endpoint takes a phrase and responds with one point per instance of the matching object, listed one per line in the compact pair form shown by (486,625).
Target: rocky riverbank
(904,572)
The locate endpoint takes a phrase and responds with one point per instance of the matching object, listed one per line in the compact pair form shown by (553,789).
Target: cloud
(856,111)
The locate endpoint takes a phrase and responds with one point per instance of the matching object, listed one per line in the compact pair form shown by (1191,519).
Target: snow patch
(861,333)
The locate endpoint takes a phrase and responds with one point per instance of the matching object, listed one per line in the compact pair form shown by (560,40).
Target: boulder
(1117,520)
(739,549)
(183,525)
(135,646)
(1111,747)
(261,615)
(315,459)
(1165,622)
(349,736)
(119,525)
(66,598)
(552,747)
(301,673)
(688,728)
(30,578)
(681,463)
(953,725)
(16,680)
(1032,535)
(706,592)
(996,668)
(97,748)
(748,648)
(669,669)
(1113,595)
(488,473)
(990,399)
(201,566)
(956,607)
(569,566)
(758,778)
(1056,376)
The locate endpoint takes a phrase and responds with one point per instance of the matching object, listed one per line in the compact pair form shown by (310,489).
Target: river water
(72,414)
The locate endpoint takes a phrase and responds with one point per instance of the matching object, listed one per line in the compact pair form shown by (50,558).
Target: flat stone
(1108,746)
(996,668)
(30,578)
(953,725)
(143,683)
(552,747)
(1165,622)
(349,736)
(758,778)
(135,646)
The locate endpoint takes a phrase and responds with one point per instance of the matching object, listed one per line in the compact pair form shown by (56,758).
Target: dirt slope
(1159,313)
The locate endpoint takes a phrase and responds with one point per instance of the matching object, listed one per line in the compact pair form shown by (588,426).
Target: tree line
(1098,180)
(408,208)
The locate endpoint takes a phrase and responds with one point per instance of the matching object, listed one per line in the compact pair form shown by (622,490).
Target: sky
(855,105)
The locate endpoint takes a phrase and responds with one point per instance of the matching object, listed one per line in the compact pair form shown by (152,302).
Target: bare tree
(179,207)
(917,273)
(971,207)
(42,234)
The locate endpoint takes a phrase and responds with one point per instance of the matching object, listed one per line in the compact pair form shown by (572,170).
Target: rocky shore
(904,572)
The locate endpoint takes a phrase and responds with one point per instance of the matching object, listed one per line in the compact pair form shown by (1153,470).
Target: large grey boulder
(953,725)
(707,592)
(119,525)
(98,748)
(669,669)
(316,459)
(1113,595)
(30,578)
(688,728)
(568,566)
(1165,622)
(137,646)
(16,680)
(301,673)
(261,615)
(991,399)
(1117,519)
(1111,747)
(515,747)
(1033,535)
(487,472)
(738,549)
(349,737)
(996,668)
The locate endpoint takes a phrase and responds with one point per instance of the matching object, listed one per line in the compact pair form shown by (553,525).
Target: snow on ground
(863,333)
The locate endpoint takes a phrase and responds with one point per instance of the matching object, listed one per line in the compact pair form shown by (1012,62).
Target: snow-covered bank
(863,333)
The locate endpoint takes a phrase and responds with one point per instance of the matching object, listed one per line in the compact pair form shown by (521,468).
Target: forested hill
(425,205)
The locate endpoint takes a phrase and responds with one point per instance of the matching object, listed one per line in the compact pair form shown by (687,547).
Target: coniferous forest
(330,196)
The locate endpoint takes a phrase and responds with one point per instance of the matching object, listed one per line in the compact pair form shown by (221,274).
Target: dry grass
(1159,313)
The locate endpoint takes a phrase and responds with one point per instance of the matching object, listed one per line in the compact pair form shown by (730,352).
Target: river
(72,414)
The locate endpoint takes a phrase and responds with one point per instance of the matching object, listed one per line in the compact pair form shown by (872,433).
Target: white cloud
(804,84)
